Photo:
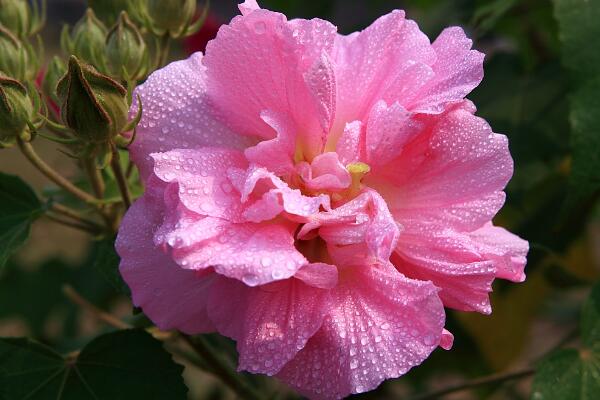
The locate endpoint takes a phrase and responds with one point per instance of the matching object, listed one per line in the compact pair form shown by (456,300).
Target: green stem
(163,49)
(75,215)
(29,152)
(73,224)
(95,176)
(486,380)
(220,368)
(115,164)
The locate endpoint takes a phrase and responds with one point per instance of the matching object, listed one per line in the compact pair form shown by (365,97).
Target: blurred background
(525,95)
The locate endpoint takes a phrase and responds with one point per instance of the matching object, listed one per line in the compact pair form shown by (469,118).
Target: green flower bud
(14,15)
(16,111)
(126,50)
(108,10)
(17,60)
(87,41)
(170,16)
(93,105)
(56,70)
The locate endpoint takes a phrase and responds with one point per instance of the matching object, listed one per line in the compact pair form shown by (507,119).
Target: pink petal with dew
(255,254)
(364,225)
(451,261)
(177,114)
(277,155)
(507,251)
(380,325)
(451,174)
(457,71)
(324,173)
(201,176)
(270,323)
(174,298)
(260,61)
(367,62)
(248,6)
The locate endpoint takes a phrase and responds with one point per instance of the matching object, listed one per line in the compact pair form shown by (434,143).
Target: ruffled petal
(270,323)
(456,72)
(380,325)
(260,61)
(174,298)
(202,180)
(178,114)
(507,251)
(367,62)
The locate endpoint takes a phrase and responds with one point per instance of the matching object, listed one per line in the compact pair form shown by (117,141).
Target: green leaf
(107,263)
(574,373)
(20,207)
(579,30)
(121,365)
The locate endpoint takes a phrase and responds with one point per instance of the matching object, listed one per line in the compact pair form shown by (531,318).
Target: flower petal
(177,114)
(174,298)
(270,323)
(263,62)
(380,325)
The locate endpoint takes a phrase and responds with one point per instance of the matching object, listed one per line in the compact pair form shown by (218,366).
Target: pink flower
(319,198)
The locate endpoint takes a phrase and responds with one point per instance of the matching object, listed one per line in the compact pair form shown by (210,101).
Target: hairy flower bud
(15,16)
(16,111)
(87,41)
(170,16)
(93,105)
(108,10)
(126,51)
(56,70)
(17,59)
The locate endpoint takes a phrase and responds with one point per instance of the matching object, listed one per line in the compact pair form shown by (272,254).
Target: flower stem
(105,317)
(115,164)
(95,178)
(223,371)
(163,49)
(75,215)
(485,380)
(29,152)
(73,224)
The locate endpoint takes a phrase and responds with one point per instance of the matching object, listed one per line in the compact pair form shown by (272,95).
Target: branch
(29,152)
(495,378)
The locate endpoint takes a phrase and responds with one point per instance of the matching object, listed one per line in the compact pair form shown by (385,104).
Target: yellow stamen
(357,171)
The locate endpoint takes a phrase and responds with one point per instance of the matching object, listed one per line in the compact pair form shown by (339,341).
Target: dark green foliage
(122,365)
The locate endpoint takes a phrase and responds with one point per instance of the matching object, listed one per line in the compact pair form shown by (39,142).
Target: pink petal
(277,196)
(320,275)
(248,6)
(367,63)
(263,62)
(324,173)
(447,340)
(507,251)
(177,114)
(270,323)
(380,325)
(351,145)
(172,297)
(201,176)
(452,262)
(252,253)
(456,169)
(457,71)
(363,221)
(277,155)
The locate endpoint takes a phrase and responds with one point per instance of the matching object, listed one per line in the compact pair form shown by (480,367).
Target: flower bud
(56,70)
(108,10)
(15,16)
(126,50)
(17,60)
(16,111)
(170,16)
(87,41)
(93,105)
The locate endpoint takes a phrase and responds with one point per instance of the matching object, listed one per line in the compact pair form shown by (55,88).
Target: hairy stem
(115,164)
(29,152)
(485,380)
(220,368)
